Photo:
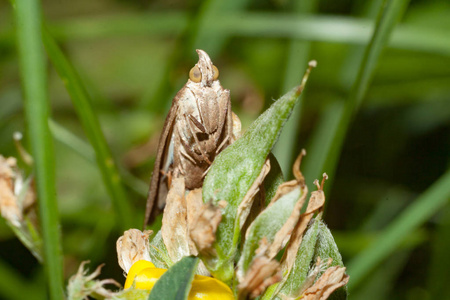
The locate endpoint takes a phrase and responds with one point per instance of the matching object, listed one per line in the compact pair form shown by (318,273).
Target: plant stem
(34,80)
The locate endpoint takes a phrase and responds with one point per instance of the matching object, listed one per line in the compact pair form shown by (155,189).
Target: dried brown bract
(174,229)
(315,205)
(203,231)
(16,197)
(332,279)
(132,247)
(262,273)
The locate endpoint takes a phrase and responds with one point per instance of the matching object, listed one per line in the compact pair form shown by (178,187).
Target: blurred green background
(133,56)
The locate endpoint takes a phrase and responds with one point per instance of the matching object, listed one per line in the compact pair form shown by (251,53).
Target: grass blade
(388,17)
(34,81)
(85,150)
(425,206)
(320,28)
(82,103)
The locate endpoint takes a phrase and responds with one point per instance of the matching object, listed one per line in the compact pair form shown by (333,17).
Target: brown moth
(199,125)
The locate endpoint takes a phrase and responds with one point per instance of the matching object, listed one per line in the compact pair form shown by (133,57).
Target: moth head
(204,71)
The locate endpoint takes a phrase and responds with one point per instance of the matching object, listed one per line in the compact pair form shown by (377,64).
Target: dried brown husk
(332,279)
(17,198)
(262,273)
(9,206)
(174,230)
(264,270)
(244,207)
(315,205)
(131,247)
(203,231)
(284,234)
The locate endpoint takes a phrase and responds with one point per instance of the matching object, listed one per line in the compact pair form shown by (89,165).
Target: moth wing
(163,162)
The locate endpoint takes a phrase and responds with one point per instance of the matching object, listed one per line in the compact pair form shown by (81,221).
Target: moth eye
(195,75)
(216,72)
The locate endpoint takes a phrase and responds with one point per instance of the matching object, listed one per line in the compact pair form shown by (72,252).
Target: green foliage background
(389,181)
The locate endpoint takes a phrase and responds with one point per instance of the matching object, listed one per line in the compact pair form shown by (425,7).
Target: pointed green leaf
(303,260)
(326,248)
(317,242)
(233,173)
(301,266)
(175,284)
(273,179)
(266,225)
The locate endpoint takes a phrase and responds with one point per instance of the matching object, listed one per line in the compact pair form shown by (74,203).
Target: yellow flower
(144,274)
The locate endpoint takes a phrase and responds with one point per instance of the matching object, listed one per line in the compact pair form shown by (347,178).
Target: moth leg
(206,172)
(190,158)
(189,121)
(224,142)
(222,123)
(197,124)
(189,154)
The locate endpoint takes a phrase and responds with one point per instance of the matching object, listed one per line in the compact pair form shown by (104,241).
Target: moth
(199,125)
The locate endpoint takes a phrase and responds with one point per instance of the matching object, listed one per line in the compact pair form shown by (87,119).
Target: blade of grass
(297,59)
(82,103)
(36,103)
(85,150)
(424,207)
(321,28)
(389,15)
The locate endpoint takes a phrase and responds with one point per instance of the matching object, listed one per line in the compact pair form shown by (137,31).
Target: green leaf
(158,252)
(302,264)
(175,284)
(326,248)
(267,224)
(316,242)
(273,179)
(132,294)
(233,173)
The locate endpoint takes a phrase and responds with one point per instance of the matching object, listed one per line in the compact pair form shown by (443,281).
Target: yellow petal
(145,275)
(136,268)
(208,288)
